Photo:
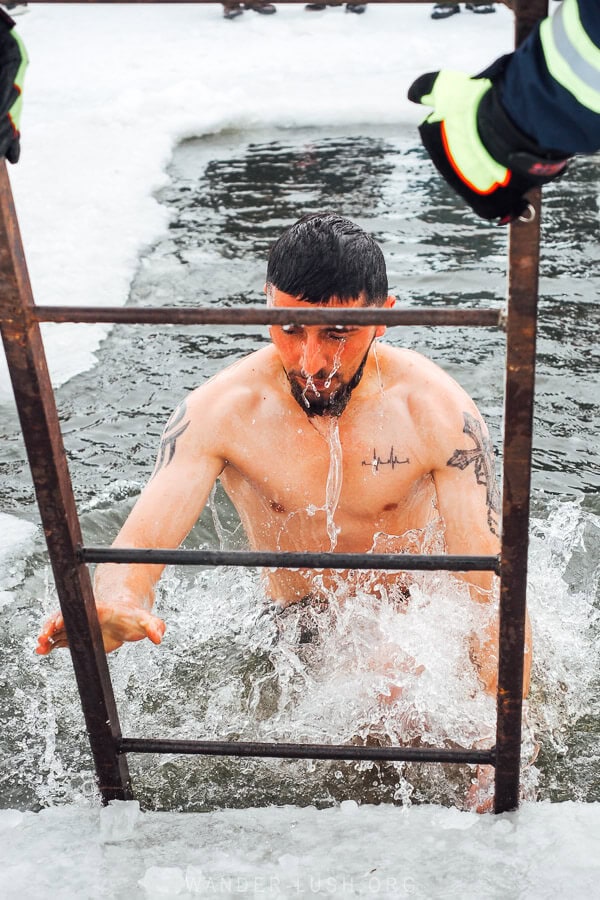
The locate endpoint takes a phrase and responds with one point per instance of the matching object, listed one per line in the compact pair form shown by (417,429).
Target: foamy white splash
(363,669)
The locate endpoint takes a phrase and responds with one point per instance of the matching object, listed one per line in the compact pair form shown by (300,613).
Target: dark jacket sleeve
(551,85)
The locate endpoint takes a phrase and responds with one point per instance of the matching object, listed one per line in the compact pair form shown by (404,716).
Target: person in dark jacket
(495,135)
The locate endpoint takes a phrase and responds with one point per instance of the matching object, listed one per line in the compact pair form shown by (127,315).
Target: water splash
(310,385)
(372,671)
(378,671)
(377,368)
(328,428)
(335,476)
(220,530)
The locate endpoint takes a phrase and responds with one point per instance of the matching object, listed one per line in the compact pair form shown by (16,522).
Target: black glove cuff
(511,147)
(5,19)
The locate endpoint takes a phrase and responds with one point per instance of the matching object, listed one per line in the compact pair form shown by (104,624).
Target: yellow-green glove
(476,146)
(13,62)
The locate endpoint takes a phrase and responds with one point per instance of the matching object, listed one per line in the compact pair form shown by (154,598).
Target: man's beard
(337,401)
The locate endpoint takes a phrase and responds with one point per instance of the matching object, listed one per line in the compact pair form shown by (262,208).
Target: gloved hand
(476,146)
(13,62)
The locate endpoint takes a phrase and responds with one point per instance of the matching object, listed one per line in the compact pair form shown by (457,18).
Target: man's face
(323,363)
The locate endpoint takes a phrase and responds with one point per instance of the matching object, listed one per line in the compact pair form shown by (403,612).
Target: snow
(543,851)
(109,93)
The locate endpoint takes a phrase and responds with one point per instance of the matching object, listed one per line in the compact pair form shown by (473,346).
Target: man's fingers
(46,644)
(52,635)
(53,624)
(155,629)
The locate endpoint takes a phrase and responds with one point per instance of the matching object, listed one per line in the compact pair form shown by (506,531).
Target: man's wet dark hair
(322,256)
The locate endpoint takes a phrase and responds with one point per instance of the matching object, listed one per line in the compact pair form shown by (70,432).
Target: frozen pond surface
(218,674)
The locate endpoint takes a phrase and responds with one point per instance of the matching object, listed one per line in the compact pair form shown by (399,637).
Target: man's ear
(390,301)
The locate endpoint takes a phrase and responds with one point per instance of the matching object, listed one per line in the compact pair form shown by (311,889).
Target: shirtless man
(412,444)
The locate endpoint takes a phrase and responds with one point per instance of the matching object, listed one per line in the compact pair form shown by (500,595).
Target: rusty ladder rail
(20,326)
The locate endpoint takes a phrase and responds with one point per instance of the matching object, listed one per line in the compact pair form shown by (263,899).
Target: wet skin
(413,448)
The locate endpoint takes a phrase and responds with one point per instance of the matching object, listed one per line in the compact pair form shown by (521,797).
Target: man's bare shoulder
(438,406)
(235,396)
(210,419)
(238,383)
(416,373)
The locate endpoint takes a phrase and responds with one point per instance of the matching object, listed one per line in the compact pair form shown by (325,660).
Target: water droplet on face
(337,361)
(310,385)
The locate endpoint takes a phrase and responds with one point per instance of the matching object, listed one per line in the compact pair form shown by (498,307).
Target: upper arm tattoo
(482,458)
(174,428)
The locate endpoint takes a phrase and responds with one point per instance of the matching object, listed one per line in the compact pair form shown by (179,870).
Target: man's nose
(314,358)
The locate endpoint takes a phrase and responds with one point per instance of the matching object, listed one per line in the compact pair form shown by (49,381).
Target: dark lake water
(230,196)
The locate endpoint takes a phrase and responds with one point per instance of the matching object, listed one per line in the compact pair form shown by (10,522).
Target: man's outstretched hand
(119,622)
(13,62)
(475,145)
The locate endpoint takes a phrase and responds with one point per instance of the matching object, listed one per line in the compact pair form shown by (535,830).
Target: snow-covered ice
(543,851)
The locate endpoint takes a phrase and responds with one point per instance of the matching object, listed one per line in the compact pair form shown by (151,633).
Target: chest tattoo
(377,461)
(481,456)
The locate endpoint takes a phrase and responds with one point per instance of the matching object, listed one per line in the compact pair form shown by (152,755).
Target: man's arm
(470,504)
(187,466)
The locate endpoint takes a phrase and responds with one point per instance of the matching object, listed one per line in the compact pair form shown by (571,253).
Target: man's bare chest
(364,468)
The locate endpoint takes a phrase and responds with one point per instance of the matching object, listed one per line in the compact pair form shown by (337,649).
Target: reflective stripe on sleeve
(572,58)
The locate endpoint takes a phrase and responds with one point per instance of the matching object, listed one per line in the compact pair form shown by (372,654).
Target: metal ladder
(20,322)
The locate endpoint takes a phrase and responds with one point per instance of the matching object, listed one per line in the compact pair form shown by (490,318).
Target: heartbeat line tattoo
(482,458)
(377,461)
(173,429)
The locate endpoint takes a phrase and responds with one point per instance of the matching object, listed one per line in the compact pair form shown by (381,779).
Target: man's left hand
(13,62)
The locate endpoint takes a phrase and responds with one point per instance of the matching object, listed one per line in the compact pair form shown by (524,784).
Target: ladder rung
(288,560)
(307,751)
(263,315)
